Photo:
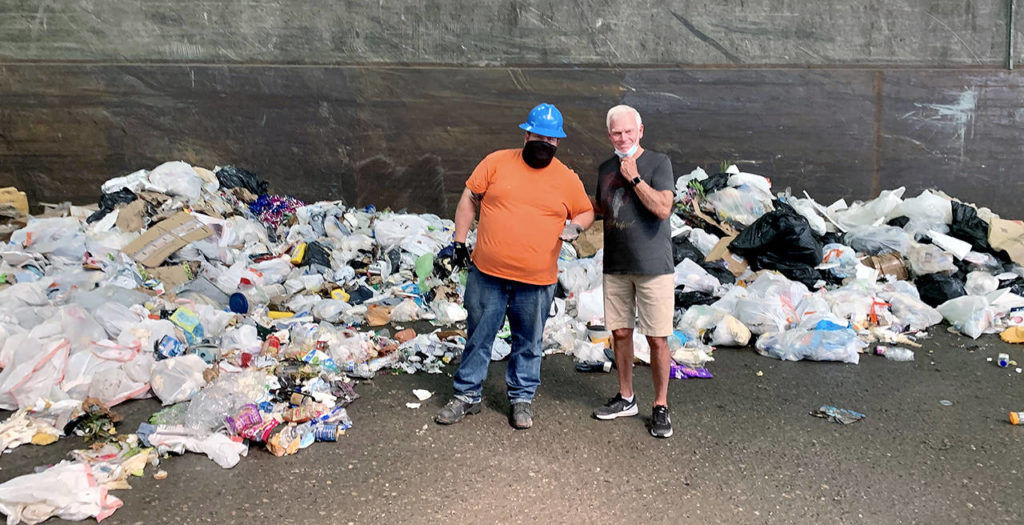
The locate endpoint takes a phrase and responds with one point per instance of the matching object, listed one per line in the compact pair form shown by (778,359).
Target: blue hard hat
(546,120)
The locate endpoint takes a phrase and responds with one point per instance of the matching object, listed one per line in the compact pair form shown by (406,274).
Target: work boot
(522,415)
(661,424)
(616,407)
(455,410)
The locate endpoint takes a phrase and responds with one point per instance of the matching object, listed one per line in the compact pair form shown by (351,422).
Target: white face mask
(629,153)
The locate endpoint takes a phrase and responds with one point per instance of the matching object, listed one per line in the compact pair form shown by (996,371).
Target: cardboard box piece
(166,237)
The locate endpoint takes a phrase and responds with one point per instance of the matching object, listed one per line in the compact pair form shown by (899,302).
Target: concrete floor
(745,450)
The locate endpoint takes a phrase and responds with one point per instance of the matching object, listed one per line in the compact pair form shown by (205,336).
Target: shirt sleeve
(662,178)
(482,176)
(578,201)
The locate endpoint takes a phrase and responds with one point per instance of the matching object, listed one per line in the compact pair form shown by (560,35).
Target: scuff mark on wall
(959,115)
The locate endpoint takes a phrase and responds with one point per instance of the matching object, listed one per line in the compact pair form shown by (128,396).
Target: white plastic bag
(391,230)
(872,212)
(827,342)
(590,306)
(694,277)
(742,205)
(876,240)
(177,179)
(178,378)
(66,490)
(968,314)
(405,312)
(33,374)
(980,283)
(928,258)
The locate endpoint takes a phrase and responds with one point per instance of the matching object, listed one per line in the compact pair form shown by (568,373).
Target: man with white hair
(634,193)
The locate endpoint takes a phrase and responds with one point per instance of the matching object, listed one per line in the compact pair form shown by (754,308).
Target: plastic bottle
(896,354)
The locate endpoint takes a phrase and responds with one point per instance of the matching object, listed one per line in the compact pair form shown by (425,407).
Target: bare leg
(622,343)
(660,367)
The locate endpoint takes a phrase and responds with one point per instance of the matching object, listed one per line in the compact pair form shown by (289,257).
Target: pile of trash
(251,316)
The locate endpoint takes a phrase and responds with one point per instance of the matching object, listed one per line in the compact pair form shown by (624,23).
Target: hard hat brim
(546,132)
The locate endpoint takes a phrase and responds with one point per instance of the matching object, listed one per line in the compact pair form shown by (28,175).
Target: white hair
(619,110)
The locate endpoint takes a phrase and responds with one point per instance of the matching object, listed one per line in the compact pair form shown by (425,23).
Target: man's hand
(571,232)
(628,168)
(460,255)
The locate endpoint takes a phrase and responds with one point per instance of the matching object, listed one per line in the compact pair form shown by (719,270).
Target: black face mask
(538,153)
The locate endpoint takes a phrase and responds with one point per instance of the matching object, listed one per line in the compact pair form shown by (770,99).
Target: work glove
(460,255)
(571,232)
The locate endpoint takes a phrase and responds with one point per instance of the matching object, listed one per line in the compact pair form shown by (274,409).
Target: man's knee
(622,333)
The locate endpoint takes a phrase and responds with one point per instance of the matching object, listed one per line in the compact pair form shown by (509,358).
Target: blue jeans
(488,300)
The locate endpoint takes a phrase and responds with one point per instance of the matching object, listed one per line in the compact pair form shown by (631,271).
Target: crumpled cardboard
(720,252)
(888,264)
(590,241)
(166,237)
(1007,236)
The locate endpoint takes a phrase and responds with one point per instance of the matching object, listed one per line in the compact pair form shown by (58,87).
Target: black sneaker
(616,407)
(661,424)
(521,417)
(455,410)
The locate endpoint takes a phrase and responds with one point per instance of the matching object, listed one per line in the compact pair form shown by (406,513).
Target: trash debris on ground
(253,316)
(838,415)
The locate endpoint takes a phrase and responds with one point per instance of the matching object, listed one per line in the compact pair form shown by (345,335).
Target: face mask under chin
(538,154)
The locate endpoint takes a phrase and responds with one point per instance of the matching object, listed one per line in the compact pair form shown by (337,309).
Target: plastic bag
(980,283)
(805,207)
(871,213)
(177,179)
(840,260)
(225,396)
(937,288)
(391,230)
(875,240)
(910,311)
(693,277)
(742,205)
(177,379)
(703,240)
(968,314)
(966,225)
(33,374)
(590,306)
(235,177)
(330,310)
(781,240)
(926,207)
(928,258)
(825,342)
(578,275)
(405,312)
(58,236)
(66,490)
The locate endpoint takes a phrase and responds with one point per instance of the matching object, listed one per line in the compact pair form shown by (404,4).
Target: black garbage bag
(316,254)
(235,177)
(682,248)
(719,271)
(688,299)
(831,238)
(781,240)
(937,288)
(109,201)
(967,226)
(899,222)
(714,182)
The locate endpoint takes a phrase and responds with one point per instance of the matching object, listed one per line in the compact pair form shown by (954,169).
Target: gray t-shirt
(635,240)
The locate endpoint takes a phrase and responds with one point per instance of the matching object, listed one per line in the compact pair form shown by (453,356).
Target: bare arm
(657,202)
(584,219)
(465,212)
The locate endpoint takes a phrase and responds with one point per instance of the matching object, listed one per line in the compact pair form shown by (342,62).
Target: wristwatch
(635,181)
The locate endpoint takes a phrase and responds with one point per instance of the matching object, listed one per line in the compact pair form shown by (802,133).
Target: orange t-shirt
(522,213)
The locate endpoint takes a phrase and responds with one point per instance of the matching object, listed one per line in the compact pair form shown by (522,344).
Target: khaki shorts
(651,297)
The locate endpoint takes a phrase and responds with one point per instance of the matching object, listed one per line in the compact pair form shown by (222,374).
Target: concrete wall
(394,102)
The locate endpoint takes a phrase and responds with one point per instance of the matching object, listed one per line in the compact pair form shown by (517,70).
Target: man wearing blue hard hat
(524,196)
